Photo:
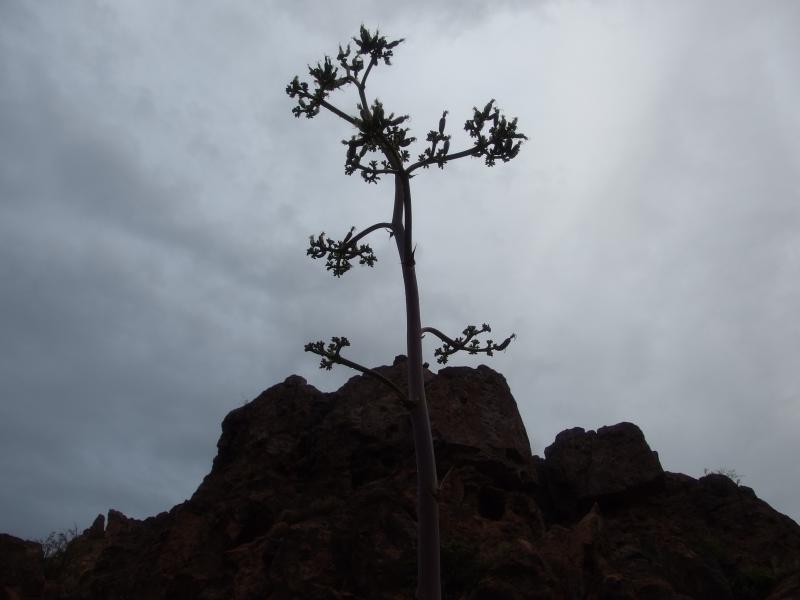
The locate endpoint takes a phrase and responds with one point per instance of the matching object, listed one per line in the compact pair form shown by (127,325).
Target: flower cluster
(340,253)
(330,355)
(500,141)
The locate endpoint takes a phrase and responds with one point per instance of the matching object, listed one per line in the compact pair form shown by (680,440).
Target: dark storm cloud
(111,297)
(669,298)
(156,197)
(447,17)
(126,282)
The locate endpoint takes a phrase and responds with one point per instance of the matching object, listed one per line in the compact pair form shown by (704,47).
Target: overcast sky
(156,198)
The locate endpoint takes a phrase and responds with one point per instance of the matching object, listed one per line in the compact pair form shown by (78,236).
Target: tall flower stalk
(378,148)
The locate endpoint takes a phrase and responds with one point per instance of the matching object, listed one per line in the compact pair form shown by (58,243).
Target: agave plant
(380,147)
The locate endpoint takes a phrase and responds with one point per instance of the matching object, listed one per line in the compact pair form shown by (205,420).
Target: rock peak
(312,495)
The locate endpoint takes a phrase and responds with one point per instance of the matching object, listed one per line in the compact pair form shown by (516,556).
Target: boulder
(97,529)
(609,465)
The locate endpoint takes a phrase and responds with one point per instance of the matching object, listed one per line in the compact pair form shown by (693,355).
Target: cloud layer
(156,197)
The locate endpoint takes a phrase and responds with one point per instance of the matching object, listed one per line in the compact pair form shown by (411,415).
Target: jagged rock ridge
(311,496)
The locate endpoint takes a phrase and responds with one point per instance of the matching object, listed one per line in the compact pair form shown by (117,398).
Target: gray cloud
(156,197)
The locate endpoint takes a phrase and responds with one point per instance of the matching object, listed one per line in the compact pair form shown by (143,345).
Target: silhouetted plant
(729,473)
(54,549)
(380,147)
(55,544)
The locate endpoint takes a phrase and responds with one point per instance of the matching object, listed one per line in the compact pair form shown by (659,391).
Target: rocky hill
(311,496)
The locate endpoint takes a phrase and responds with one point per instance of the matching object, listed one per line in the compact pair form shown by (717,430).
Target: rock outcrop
(587,467)
(312,496)
(21,568)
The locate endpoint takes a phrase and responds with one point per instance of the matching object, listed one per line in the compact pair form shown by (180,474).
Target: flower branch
(340,253)
(469,343)
(331,354)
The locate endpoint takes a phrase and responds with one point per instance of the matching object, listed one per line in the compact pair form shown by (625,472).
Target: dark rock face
(312,495)
(587,467)
(21,568)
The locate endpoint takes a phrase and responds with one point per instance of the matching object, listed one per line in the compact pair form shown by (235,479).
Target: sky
(156,198)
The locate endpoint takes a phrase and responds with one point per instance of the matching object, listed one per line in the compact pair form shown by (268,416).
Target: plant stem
(428,565)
